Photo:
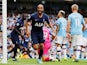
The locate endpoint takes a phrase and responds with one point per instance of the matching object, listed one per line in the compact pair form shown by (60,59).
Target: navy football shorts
(37,37)
(14,38)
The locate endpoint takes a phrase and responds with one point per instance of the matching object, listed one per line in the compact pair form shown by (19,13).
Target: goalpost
(4,23)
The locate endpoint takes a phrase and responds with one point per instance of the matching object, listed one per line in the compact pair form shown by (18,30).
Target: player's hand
(53,37)
(68,36)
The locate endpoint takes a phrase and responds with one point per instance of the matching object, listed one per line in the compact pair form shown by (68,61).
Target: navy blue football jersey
(38,23)
(17,26)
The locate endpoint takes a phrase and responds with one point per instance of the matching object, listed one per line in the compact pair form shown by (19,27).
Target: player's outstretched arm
(68,26)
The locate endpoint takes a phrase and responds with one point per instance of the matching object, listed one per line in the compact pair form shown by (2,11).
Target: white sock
(59,52)
(64,51)
(83,53)
(86,52)
(78,52)
(86,55)
(60,55)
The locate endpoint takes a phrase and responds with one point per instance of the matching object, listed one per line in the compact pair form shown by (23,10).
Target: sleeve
(47,19)
(17,24)
(20,23)
(83,21)
(69,17)
(57,22)
(29,18)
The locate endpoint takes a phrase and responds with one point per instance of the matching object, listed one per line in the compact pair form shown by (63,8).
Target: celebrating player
(75,25)
(61,24)
(38,18)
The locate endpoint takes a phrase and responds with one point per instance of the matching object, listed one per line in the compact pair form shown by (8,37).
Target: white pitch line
(21,64)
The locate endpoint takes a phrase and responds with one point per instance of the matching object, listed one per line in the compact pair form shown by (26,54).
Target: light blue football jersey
(62,23)
(77,22)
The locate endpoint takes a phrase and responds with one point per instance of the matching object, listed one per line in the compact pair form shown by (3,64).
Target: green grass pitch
(34,62)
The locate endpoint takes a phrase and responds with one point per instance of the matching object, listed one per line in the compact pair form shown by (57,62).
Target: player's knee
(35,46)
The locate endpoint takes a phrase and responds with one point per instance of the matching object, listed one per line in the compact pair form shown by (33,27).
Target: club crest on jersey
(35,19)
(39,24)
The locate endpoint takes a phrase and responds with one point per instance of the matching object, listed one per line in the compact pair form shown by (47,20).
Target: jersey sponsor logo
(39,24)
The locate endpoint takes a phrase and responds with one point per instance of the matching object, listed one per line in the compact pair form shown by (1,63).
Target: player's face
(72,9)
(40,9)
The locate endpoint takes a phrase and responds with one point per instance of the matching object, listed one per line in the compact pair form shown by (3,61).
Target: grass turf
(34,62)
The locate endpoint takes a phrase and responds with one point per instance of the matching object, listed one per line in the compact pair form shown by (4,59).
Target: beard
(40,12)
